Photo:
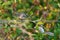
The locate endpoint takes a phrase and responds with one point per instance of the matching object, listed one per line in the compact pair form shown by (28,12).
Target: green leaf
(18,31)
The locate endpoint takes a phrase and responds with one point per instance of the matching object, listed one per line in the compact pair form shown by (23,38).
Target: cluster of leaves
(31,14)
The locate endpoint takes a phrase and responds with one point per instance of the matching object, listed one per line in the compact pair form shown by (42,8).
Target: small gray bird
(22,16)
(41,29)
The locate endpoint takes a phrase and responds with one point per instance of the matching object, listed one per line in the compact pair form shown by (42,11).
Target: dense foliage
(29,19)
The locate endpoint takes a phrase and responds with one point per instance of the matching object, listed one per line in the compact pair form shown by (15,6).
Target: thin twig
(24,31)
